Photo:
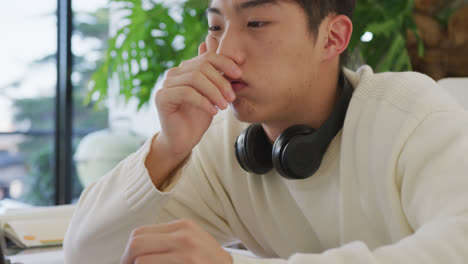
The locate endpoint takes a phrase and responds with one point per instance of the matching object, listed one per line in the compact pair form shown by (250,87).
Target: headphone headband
(299,150)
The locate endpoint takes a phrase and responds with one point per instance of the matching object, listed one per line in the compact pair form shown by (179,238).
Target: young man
(392,186)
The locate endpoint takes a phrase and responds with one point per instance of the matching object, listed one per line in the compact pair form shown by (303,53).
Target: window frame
(63,165)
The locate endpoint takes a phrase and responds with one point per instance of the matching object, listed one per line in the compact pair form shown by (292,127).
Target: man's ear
(339,32)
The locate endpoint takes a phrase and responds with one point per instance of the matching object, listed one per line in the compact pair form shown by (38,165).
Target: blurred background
(78,77)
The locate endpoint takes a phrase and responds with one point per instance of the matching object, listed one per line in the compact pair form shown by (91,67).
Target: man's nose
(231,46)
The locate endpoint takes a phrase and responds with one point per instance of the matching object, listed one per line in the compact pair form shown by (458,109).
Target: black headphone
(299,150)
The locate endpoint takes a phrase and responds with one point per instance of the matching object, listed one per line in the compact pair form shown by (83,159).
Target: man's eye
(214,28)
(257,24)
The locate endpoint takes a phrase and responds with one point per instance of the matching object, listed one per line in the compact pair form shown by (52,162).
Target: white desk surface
(39,256)
(55,256)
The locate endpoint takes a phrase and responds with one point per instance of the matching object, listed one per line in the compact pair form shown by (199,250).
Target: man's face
(272,44)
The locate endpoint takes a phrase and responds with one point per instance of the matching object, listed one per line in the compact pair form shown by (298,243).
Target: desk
(55,256)
(39,256)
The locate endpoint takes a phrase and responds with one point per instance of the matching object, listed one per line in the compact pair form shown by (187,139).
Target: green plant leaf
(388,21)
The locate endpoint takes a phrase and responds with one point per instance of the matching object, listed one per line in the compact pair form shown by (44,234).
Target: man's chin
(244,113)
(245,116)
(244,119)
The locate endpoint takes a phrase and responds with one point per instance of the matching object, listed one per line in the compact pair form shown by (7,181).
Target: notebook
(35,227)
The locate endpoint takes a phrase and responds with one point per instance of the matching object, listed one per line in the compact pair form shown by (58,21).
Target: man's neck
(314,110)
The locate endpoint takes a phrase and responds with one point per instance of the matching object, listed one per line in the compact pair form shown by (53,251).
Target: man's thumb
(202,49)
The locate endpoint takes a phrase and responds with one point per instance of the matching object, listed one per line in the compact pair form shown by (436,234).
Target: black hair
(318,10)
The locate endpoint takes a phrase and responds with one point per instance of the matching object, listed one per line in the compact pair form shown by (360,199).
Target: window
(29,99)
(27,91)
(89,41)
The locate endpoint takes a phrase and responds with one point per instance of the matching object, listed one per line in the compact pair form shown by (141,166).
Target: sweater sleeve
(109,209)
(433,176)
(125,199)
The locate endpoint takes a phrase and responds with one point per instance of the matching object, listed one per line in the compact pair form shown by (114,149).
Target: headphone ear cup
(290,159)
(253,150)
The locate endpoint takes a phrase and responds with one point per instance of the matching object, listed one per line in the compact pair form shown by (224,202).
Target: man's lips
(238,85)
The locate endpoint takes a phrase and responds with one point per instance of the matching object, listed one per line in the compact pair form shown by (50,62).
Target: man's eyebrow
(213,10)
(245,5)
(256,3)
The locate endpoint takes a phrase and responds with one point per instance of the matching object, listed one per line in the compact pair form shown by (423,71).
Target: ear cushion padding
(253,150)
(287,155)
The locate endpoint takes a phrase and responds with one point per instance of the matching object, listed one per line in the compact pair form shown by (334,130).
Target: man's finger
(211,43)
(147,244)
(168,227)
(158,258)
(212,74)
(201,83)
(178,96)
(202,49)
(221,63)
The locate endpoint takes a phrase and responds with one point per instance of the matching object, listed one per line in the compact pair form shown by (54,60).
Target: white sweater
(392,188)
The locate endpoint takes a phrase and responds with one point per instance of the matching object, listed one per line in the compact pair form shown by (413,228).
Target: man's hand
(181,241)
(189,98)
